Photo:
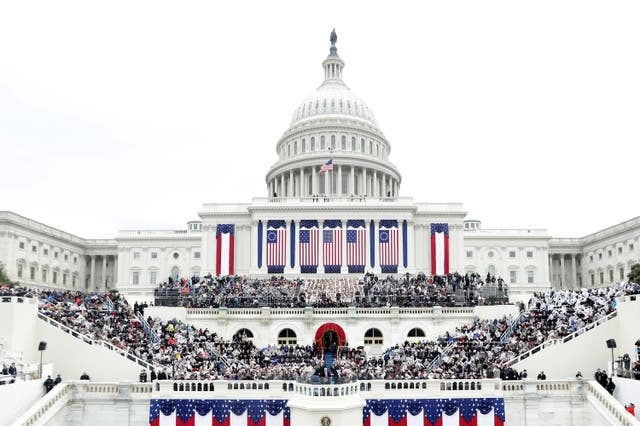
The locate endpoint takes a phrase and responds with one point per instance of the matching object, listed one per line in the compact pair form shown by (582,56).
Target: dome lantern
(333,65)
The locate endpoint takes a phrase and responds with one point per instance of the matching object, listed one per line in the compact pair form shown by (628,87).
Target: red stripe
(401,422)
(436,423)
(218,253)
(446,254)
(190,421)
(261,422)
(231,260)
(498,421)
(155,422)
(472,422)
(433,254)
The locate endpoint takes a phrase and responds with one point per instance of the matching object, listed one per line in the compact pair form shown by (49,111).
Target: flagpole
(331,158)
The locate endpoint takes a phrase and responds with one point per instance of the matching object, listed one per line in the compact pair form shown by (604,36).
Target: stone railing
(88,340)
(49,405)
(599,396)
(564,339)
(339,312)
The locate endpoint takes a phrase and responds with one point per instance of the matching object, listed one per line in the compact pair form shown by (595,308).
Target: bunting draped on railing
(356,246)
(218,412)
(308,246)
(432,412)
(276,246)
(332,246)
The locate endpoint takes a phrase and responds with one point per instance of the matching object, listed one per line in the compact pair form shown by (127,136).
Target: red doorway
(327,334)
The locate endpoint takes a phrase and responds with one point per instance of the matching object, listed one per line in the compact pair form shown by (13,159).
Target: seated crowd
(370,291)
(482,349)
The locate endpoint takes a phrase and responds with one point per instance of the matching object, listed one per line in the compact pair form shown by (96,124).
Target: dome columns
(345,181)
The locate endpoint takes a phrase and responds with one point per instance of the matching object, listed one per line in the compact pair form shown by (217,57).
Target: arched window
(322,145)
(416,333)
(343,143)
(333,141)
(303,145)
(244,333)
(353,144)
(313,144)
(362,145)
(295,147)
(289,150)
(373,336)
(370,147)
(287,337)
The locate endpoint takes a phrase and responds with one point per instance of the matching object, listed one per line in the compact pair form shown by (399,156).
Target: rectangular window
(621,274)
(529,254)
(66,257)
(619,250)
(196,255)
(601,277)
(54,277)
(611,275)
(136,278)
(599,256)
(609,253)
(591,258)
(44,275)
(513,277)
(32,273)
(154,277)
(64,279)
(55,254)
(45,252)
(34,249)
(469,253)
(593,280)
(154,254)
(530,277)
(630,247)
(512,254)
(73,280)
(21,245)
(136,255)
(19,271)
(75,260)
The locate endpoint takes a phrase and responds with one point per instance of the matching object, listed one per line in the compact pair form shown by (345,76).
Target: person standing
(610,386)
(48,384)
(57,380)
(542,376)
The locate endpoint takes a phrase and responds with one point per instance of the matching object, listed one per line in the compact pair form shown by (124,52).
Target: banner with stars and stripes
(219,412)
(356,246)
(332,246)
(388,246)
(434,412)
(309,238)
(276,246)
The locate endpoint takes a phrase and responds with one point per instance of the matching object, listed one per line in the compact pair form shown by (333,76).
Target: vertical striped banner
(356,246)
(388,246)
(332,246)
(308,245)
(276,246)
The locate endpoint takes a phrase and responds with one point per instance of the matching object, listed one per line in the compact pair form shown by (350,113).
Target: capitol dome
(333,127)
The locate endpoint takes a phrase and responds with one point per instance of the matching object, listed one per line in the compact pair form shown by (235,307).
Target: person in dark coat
(48,384)
(610,386)
(154,376)
(57,380)
(162,375)
(84,376)
(542,376)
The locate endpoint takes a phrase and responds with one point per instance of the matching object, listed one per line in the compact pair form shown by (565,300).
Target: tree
(634,275)
(4,278)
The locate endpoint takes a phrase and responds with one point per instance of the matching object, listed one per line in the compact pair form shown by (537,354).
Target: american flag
(309,238)
(432,412)
(326,167)
(332,247)
(218,412)
(388,246)
(276,246)
(356,245)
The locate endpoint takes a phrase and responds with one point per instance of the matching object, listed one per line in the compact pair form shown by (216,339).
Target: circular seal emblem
(325,421)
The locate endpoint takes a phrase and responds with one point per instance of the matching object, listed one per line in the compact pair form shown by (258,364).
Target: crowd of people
(482,349)
(369,291)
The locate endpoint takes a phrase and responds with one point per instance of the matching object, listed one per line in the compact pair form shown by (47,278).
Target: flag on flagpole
(308,246)
(276,246)
(356,246)
(388,246)
(332,246)
(224,249)
(326,167)
(439,249)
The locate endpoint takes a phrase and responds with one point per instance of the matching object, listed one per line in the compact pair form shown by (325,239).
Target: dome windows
(353,144)
(303,146)
(313,144)
(322,144)
(343,142)
(362,146)
(333,141)
(295,147)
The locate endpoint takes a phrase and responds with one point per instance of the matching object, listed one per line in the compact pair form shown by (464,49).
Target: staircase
(328,361)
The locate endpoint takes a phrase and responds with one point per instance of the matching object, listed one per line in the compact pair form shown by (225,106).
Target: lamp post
(42,346)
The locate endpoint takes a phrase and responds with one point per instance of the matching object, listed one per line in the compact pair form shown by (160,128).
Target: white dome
(333,99)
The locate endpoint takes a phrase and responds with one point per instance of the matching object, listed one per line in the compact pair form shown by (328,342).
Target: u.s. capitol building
(333,206)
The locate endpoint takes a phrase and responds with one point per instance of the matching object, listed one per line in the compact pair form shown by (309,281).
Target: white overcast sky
(118,115)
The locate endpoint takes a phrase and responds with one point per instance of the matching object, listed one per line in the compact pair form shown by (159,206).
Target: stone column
(352,181)
(282,191)
(562,272)
(411,247)
(320,250)
(115,271)
(93,272)
(574,272)
(344,269)
(551,269)
(376,252)
(364,181)
(303,192)
(374,186)
(291,186)
(339,182)
(314,182)
(103,278)
(384,185)
(254,247)
(296,266)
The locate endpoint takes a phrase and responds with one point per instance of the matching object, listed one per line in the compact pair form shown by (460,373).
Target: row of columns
(361,181)
(91,279)
(564,283)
